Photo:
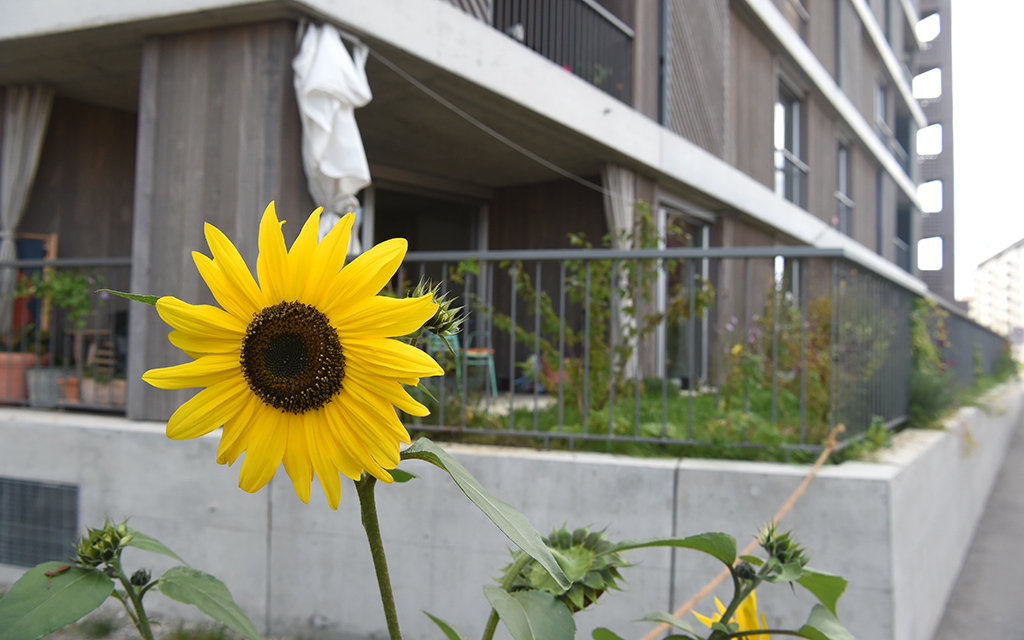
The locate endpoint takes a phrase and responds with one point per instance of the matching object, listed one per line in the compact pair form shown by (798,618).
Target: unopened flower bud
(140,578)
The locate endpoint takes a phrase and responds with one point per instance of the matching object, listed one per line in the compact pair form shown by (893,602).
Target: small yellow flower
(746,617)
(737,349)
(301,367)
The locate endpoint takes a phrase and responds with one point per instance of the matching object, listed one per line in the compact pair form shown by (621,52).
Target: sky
(988,136)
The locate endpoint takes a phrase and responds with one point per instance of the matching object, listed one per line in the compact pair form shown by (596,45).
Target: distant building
(999,295)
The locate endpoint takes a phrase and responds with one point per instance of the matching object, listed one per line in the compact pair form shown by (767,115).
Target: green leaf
(400,476)
(669,619)
(506,517)
(718,545)
(447,629)
(140,540)
(789,572)
(131,296)
(822,625)
(531,615)
(604,634)
(38,604)
(826,587)
(209,595)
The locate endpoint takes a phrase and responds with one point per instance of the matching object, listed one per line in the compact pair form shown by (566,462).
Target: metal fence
(759,347)
(66,345)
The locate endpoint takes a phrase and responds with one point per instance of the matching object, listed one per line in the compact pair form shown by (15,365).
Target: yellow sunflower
(746,617)
(301,367)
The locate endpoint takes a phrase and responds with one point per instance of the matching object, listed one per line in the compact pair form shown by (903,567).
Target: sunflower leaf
(822,625)
(131,296)
(209,595)
(448,630)
(531,615)
(826,587)
(506,517)
(38,604)
(400,476)
(671,620)
(718,545)
(140,540)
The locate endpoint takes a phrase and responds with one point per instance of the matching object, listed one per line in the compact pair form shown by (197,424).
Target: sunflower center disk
(291,357)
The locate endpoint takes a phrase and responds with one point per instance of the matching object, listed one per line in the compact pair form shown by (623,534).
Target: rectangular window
(790,170)
(881,112)
(902,240)
(844,204)
(797,16)
(38,521)
(880,212)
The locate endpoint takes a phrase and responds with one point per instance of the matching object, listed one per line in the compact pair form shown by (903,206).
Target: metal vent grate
(38,521)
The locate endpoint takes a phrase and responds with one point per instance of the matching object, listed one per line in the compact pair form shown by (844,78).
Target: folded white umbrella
(329,86)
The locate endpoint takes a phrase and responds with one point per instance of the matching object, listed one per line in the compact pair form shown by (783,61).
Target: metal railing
(579,35)
(753,347)
(66,346)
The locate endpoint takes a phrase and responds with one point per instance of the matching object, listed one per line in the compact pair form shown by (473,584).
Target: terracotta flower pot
(13,365)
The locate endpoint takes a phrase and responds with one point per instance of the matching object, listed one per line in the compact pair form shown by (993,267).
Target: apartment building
(998,301)
(494,124)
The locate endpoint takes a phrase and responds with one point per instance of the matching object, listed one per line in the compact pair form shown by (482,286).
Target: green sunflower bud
(781,546)
(447,321)
(140,578)
(103,545)
(589,561)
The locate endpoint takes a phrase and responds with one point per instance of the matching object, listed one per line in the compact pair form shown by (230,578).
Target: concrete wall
(897,529)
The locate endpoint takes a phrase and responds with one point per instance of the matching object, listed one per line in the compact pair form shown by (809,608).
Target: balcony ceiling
(405,131)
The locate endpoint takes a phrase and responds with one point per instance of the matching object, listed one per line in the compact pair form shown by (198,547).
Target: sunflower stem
(368,511)
(506,584)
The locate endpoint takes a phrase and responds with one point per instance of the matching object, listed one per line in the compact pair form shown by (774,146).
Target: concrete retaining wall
(897,529)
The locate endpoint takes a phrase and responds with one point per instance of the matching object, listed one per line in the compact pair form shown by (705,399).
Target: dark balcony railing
(66,345)
(579,35)
(755,347)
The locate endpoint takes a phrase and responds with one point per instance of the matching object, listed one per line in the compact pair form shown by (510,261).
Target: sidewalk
(988,598)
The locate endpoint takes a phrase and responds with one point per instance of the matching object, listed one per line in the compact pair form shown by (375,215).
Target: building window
(930,195)
(38,521)
(880,212)
(902,240)
(790,170)
(881,112)
(928,28)
(927,85)
(844,204)
(929,140)
(929,254)
(797,15)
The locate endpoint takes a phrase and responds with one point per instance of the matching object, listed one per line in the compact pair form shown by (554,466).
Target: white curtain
(618,212)
(618,202)
(329,86)
(26,111)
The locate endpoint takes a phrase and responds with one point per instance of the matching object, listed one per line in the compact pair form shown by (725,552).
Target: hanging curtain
(618,212)
(329,86)
(26,111)
(618,203)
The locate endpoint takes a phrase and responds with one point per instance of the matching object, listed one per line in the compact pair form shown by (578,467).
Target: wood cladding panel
(750,104)
(219,138)
(85,182)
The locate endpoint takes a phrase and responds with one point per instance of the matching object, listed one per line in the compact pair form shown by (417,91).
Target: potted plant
(71,291)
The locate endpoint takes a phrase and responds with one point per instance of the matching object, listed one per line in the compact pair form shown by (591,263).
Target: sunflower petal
(200,344)
(379,443)
(265,451)
(200,319)
(365,276)
(272,261)
(394,393)
(342,424)
(325,471)
(297,461)
(389,357)
(207,410)
(226,256)
(235,435)
(300,256)
(384,317)
(381,409)
(223,290)
(329,257)
(204,372)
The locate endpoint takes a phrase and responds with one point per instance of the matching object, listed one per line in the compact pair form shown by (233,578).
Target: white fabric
(618,203)
(26,111)
(618,212)
(329,86)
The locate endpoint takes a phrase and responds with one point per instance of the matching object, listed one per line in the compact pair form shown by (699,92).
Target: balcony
(581,36)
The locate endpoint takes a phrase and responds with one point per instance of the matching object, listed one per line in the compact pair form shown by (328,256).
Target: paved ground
(988,599)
